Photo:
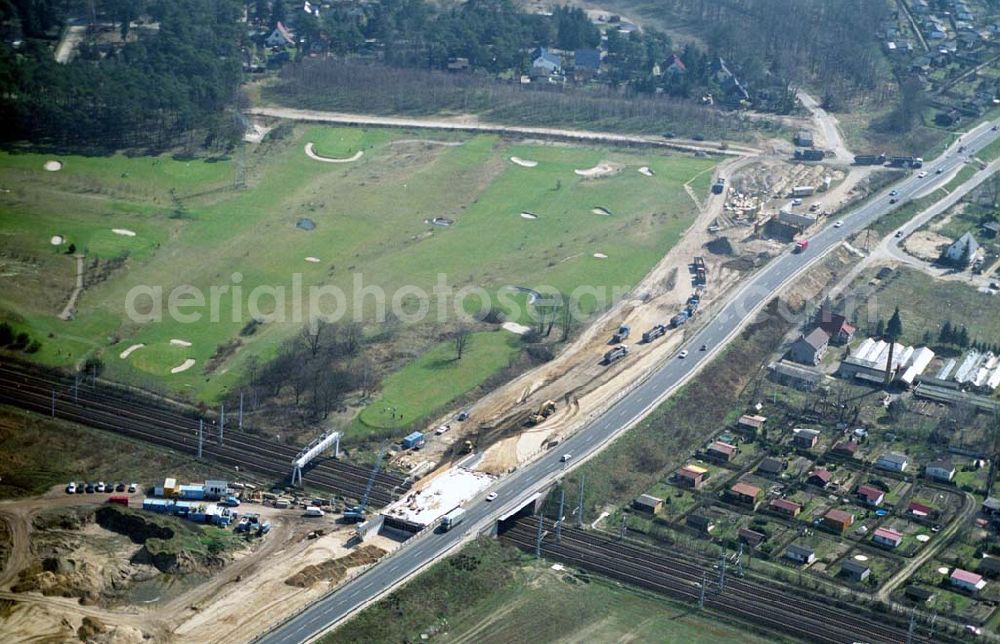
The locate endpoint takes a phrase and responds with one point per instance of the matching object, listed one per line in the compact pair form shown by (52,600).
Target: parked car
(132,487)
(71,488)
(120,487)
(90,488)
(99,487)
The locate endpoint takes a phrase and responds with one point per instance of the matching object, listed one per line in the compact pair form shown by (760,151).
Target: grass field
(193,228)
(492,593)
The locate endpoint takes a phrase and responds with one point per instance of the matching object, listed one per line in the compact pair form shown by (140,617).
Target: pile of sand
(602,169)
(127,352)
(180,343)
(524,163)
(312,155)
(334,570)
(124,232)
(53,166)
(184,366)
(528,215)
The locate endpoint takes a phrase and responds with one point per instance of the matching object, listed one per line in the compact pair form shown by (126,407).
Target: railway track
(125,412)
(804,617)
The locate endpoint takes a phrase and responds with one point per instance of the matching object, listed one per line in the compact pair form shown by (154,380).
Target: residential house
(692,476)
(871,495)
(836,326)
(810,348)
(676,66)
(819,477)
(751,537)
(940,470)
(586,63)
(964,249)
(892,461)
(846,448)
(750,424)
(991,507)
(991,229)
(838,520)
(546,63)
(800,554)
(805,438)
(745,494)
(721,452)
(771,466)
(700,522)
(967,581)
(919,510)
(280,37)
(785,507)
(887,537)
(989,567)
(856,571)
(919,594)
(647,503)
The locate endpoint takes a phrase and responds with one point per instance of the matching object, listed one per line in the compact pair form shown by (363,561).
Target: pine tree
(946,335)
(962,337)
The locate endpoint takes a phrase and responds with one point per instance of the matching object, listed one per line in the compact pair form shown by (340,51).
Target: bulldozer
(544,411)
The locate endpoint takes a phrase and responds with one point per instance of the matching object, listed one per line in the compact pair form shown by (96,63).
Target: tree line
(153,91)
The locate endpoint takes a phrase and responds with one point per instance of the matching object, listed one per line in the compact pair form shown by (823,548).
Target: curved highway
(521,485)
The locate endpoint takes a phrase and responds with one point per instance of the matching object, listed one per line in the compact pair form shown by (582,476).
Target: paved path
(631,406)
(828,127)
(475,125)
(70,309)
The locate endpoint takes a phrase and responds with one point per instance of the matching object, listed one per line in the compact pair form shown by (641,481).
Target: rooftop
(439,495)
(745,489)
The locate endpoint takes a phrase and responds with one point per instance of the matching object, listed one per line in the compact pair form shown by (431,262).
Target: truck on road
(801,245)
(452,519)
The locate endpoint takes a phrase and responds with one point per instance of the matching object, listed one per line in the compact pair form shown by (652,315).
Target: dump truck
(801,245)
(621,334)
(654,333)
(869,159)
(546,409)
(615,354)
(679,319)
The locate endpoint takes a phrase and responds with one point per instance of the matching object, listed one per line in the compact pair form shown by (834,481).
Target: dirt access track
(240,601)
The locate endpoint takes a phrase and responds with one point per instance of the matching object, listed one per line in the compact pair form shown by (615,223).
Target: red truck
(801,245)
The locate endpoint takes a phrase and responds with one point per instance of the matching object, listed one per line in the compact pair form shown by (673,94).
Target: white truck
(452,519)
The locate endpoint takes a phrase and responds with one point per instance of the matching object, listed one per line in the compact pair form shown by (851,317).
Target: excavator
(544,411)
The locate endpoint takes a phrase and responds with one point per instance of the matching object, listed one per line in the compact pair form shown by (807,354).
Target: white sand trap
(127,352)
(524,163)
(923,538)
(514,327)
(313,260)
(180,343)
(53,166)
(56,240)
(184,366)
(528,215)
(602,169)
(312,155)
(943,570)
(124,232)
(645,171)
(860,558)
(597,210)
(600,256)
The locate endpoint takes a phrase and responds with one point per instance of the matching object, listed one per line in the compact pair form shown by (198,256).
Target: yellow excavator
(547,409)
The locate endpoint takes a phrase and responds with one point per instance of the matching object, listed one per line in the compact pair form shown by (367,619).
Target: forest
(154,91)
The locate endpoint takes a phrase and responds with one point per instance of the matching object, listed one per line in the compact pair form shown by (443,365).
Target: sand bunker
(124,232)
(602,169)
(439,221)
(524,163)
(644,170)
(127,352)
(514,327)
(600,256)
(528,215)
(184,366)
(180,343)
(597,210)
(860,558)
(53,166)
(312,155)
(312,260)
(942,570)
(56,240)
(923,538)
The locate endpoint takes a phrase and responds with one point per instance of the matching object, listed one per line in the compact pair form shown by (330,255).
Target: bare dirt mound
(720,246)
(335,569)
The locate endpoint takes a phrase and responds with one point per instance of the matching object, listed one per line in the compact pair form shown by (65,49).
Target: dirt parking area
(926,245)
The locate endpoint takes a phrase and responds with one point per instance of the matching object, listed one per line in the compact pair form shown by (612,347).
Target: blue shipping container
(414,439)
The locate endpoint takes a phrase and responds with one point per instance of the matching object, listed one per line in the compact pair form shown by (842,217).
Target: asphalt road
(628,410)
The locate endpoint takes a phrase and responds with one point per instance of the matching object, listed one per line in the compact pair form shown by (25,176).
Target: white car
(922,174)
(100,486)
(565,457)
(683,354)
(491,496)
(838,224)
(442,429)
(132,487)
(71,488)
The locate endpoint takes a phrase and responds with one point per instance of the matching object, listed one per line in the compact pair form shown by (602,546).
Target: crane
(356,514)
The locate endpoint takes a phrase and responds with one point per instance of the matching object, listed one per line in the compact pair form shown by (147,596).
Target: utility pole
(239,424)
(579,509)
(201,431)
(559,519)
(538,537)
(222,422)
